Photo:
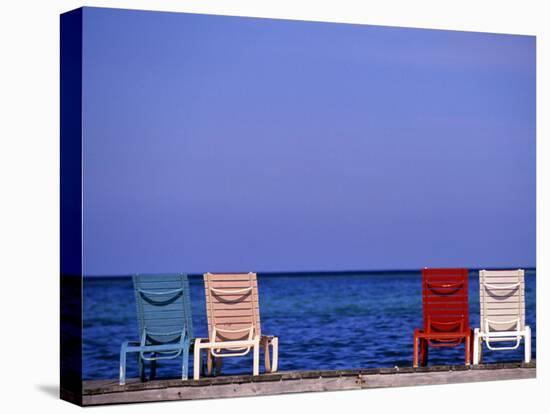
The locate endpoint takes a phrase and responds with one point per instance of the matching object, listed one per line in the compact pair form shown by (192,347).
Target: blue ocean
(323,321)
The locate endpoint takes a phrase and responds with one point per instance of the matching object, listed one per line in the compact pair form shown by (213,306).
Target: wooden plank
(109,392)
(448,377)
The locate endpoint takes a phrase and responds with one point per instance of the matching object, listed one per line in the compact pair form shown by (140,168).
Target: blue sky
(216,143)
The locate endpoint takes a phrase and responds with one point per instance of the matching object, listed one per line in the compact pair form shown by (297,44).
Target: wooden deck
(109,392)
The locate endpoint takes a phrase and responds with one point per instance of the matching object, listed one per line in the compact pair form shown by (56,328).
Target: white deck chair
(232,309)
(502,313)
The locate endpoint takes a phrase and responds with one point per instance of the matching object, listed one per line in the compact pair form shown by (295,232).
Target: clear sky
(217,143)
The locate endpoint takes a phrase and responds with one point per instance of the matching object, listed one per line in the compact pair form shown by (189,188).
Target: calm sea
(323,321)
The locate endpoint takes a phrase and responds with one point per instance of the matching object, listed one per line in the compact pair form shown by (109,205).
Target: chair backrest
(502,300)
(163,306)
(232,305)
(445,300)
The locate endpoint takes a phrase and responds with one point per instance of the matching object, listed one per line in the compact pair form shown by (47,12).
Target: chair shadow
(49,389)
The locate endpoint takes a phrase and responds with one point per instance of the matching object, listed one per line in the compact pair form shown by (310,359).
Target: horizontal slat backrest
(163,306)
(445,300)
(502,299)
(232,305)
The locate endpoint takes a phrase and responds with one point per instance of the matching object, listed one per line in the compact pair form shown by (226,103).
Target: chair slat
(159,278)
(216,277)
(230,284)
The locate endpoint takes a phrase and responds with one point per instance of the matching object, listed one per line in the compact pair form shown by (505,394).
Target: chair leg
(141,367)
(467,350)
(153,368)
(267,361)
(256,362)
(415,351)
(208,362)
(218,362)
(275,351)
(185,363)
(475,358)
(481,351)
(527,344)
(197,360)
(122,371)
(424,350)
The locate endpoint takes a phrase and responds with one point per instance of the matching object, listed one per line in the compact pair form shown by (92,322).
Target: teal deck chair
(164,320)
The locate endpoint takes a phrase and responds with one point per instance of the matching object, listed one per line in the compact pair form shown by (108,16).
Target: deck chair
(445,313)
(164,321)
(502,313)
(233,314)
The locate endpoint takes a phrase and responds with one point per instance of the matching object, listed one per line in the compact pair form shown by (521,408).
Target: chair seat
(232,344)
(504,335)
(224,344)
(154,348)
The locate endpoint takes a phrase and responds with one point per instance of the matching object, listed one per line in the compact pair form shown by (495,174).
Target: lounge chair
(445,311)
(233,314)
(502,313)
(164,321)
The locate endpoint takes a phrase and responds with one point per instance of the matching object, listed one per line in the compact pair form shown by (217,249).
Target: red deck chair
(445,308)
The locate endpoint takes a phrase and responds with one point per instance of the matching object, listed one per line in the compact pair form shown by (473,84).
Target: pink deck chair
(233,314)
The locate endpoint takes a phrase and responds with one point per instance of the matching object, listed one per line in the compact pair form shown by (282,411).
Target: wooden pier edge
(99,392)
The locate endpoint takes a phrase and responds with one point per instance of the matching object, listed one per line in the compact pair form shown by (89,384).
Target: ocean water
(323,321)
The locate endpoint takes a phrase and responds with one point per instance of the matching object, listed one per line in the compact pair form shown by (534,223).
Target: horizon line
(309,272)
